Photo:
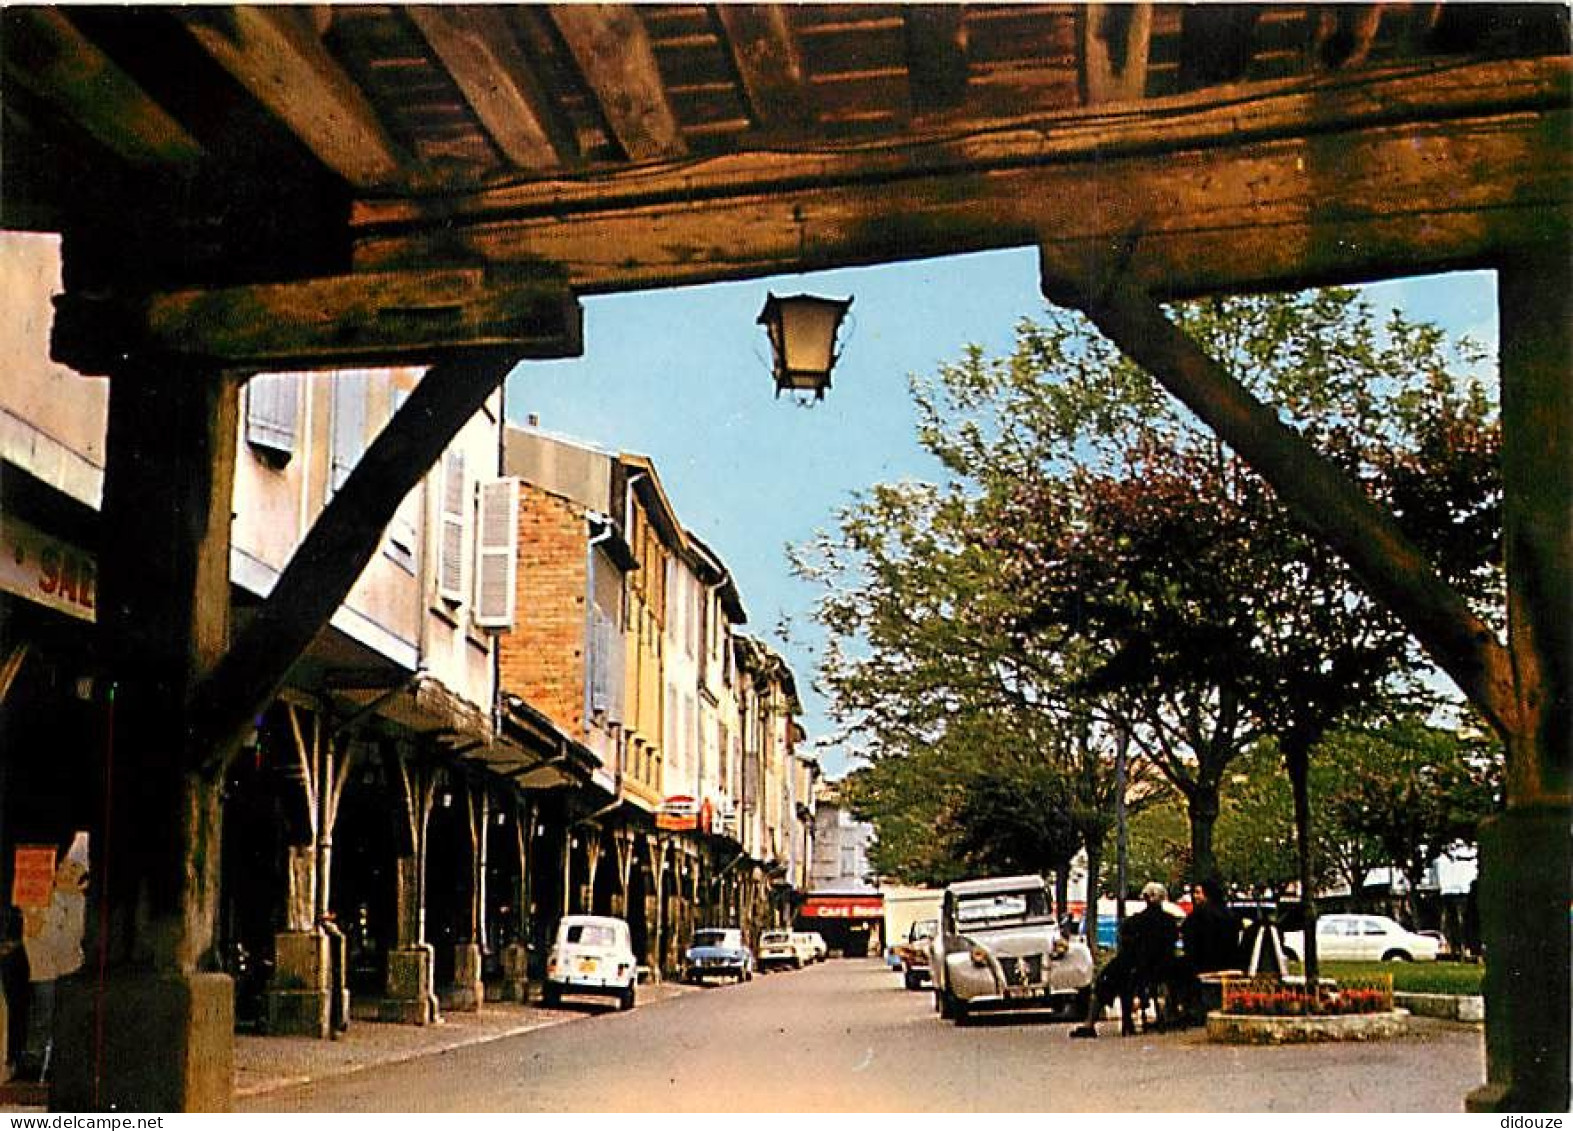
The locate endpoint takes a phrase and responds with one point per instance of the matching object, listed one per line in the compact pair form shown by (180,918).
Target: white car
(999,946)
(779,948)
(1362,938)
(594,955)
(811,944)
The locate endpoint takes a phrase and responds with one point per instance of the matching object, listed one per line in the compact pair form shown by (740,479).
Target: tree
(1414,790)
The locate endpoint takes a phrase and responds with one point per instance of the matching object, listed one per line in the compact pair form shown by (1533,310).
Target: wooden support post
(410,995)
(1526,877)
(156,1032)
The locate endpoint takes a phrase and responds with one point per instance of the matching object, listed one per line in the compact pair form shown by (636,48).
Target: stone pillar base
(409,999)
(145,1042)
(515,973)
(299,995)
(467,992)
(1526,884)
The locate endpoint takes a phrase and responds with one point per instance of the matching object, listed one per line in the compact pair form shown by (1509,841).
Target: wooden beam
(340,544)
(277,55)
(769,62)
(1115,40)
(936,39)
(46,54)
(1408,172)
(372,319)
(613,51)
(483,55)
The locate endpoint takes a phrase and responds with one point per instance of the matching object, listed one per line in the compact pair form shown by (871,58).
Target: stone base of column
(467,992)
(409,999)
(515,973)
(1526,885)
(145,1042)
(299,996)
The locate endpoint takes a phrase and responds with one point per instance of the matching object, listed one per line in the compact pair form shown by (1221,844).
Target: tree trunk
(1297,758)
(1202,807)
(1094,866)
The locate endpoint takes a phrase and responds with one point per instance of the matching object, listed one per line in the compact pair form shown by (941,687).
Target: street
(844,1036)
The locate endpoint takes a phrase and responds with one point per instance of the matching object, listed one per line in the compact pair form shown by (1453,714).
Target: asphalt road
(844,1036)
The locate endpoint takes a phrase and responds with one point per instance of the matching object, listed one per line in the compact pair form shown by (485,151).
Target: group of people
(1146,965)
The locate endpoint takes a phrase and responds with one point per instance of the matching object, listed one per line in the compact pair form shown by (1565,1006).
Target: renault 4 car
(999,946)
(778,949)
(593,955)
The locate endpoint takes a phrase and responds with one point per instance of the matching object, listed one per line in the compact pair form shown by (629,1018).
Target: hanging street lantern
(802,330)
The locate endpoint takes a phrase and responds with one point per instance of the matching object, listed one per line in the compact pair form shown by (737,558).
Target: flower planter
(1251,1029)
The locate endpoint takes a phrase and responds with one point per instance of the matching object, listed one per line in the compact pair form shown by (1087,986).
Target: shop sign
(46,570)
(678,814)
(855,907)
(33,875)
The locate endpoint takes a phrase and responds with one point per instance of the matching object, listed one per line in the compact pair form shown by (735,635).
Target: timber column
(157,1032)
(409,994)
(1526,854)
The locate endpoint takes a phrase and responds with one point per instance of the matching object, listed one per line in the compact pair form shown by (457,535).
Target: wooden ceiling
(1215,146)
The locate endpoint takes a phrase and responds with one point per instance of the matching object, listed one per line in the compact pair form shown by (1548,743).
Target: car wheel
(1397,956)
(551,996)
(947,1006)
(912,981)
(625,1000)
(1077,1007)
(959,1012)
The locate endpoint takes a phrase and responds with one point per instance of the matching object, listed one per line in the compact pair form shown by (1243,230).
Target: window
(348,440)
(495,560)
(450,550)
(272,410)
(402,530)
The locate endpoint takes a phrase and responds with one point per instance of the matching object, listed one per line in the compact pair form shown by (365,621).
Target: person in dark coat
(1211,934)
(1143,962)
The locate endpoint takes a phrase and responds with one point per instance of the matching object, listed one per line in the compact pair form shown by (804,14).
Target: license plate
(588,965)
(1022,991)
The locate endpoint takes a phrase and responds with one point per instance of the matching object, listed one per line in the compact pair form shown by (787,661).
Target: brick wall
(543,659)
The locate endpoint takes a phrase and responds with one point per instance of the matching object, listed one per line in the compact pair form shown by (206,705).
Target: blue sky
(682,376)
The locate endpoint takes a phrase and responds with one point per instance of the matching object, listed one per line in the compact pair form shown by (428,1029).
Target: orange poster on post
(33,877)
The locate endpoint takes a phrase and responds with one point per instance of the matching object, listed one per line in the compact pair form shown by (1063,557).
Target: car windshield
(924,929)
(775,937)
(709,938)
(591,934)
(1002,907)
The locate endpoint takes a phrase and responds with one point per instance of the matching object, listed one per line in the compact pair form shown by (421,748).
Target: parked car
(778,949)
(999,946)
(811,945)
(718,952)
(1362,938)
(913,952)
(593,955)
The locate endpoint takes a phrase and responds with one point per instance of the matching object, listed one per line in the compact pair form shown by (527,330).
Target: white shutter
(450,549)
(495,559)
(349,425)
(272,408)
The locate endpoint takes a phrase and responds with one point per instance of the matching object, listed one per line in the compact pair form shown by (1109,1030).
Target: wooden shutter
(450,548)
(349,424)
(272,410)
(495,559)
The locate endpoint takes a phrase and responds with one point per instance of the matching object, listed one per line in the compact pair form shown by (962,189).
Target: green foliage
(1096,561)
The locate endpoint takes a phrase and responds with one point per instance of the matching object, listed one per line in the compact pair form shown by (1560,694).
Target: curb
(1468,1008)
(1241,1029)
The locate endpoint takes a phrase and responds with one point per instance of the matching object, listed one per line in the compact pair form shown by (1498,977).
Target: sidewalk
(266,1064)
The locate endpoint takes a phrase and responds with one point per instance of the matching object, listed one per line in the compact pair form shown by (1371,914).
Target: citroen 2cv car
(999,946)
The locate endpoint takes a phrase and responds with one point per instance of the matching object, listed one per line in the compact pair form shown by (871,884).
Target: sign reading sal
(45,570)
